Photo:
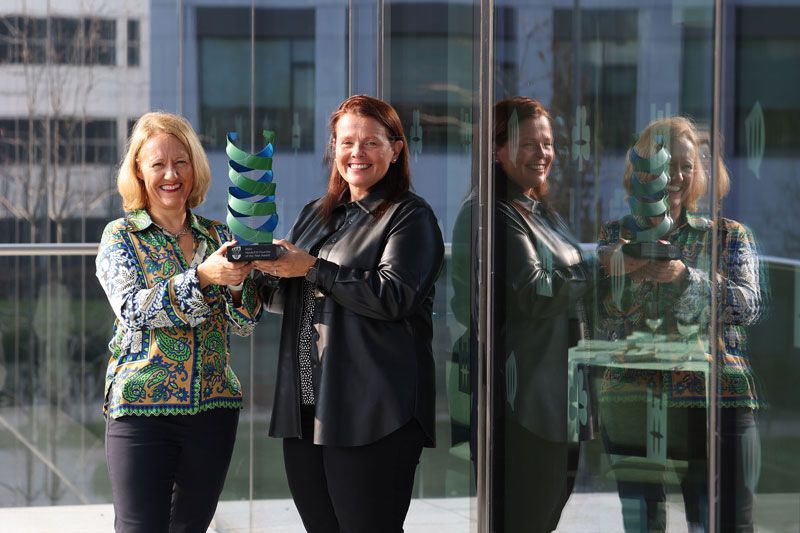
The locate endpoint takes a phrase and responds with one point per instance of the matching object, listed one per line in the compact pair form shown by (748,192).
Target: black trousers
(538,478)
(167,472)
(353,489)
(625,426)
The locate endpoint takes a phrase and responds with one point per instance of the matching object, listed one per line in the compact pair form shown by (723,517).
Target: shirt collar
(695,221)
(140,220)
(374,198)
(513,192)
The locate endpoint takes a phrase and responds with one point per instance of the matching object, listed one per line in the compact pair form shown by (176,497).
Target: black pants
(167,472)
(739,466)
(539,476)
(353,489)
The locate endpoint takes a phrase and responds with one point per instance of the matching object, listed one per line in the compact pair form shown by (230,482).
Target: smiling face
(165,168)
(534,157)
(363,152)
(681,171)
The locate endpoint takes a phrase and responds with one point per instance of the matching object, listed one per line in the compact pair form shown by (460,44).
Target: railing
(90,248)
(51,249)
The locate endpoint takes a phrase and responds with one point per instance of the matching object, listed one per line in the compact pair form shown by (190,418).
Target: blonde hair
(131,188)
(668,131)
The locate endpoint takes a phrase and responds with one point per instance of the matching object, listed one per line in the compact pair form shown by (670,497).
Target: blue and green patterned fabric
(739,287)
(170,348)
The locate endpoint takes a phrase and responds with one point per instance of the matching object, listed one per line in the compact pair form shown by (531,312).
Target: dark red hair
(526,109)
(397,179)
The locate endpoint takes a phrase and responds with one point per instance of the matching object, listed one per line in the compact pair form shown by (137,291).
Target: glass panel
(758,459)
(300,56)
(291,49)
(429,75)
(63,123)
(602,366)
(53,354)
(59,145)
(601,352)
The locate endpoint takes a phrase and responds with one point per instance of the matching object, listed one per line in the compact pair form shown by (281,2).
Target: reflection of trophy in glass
(649,200)
(253,199)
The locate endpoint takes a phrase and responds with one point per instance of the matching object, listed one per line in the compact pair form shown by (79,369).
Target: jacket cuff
(323,274)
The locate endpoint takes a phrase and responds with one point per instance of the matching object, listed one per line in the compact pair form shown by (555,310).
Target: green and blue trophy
(252,216)
(649,199)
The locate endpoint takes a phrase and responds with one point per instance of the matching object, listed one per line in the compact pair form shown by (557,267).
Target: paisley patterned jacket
(741,290)
(170,348)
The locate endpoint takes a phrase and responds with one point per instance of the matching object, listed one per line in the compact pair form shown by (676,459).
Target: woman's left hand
(294,263)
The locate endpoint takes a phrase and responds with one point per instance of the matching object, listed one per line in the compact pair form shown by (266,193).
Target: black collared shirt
(371,355)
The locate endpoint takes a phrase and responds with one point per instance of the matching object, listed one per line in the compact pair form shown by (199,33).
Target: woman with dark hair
(354,401)
(541,277)
(539,313)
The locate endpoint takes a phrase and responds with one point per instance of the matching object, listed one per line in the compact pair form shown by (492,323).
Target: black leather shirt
(538,312)
(541,281)
(371,352)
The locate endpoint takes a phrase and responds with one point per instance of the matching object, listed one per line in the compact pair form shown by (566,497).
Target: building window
(61,40)
(134,42)
(73,141)
(432,75)
(608,70)
(67,41)
(101,141)
(100,37)
(21,141)
(66,141)
(23,40)
(284,75)
(768,49)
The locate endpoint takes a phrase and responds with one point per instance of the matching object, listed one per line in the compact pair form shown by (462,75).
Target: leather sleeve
(539,291)
(409,264)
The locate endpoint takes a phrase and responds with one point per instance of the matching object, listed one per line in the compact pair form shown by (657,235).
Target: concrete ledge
(585,512)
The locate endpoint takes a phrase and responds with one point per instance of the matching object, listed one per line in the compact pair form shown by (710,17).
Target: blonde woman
(171,398)
(680,292)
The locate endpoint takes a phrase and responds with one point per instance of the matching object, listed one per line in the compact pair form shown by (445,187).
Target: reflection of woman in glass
(541,277)
(680,291)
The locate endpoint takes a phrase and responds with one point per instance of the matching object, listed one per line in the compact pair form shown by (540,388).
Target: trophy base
(254,252)
(655,251)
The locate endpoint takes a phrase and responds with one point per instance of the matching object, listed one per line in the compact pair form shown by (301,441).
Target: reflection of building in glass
(73,79)
(613,60)
(284,46)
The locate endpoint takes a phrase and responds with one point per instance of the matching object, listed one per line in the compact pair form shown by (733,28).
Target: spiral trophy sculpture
(649,199)
(251,198)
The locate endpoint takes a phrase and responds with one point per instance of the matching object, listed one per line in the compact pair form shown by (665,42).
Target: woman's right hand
(293,263)
(217,270)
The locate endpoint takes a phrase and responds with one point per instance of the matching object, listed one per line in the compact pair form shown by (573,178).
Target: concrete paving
(585,513)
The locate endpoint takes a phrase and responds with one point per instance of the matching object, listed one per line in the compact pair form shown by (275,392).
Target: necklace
(178,235)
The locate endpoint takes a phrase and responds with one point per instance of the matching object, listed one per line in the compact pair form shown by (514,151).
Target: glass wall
(580,385)
(760,54)
(437,101)
(74,78)
(636,360)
